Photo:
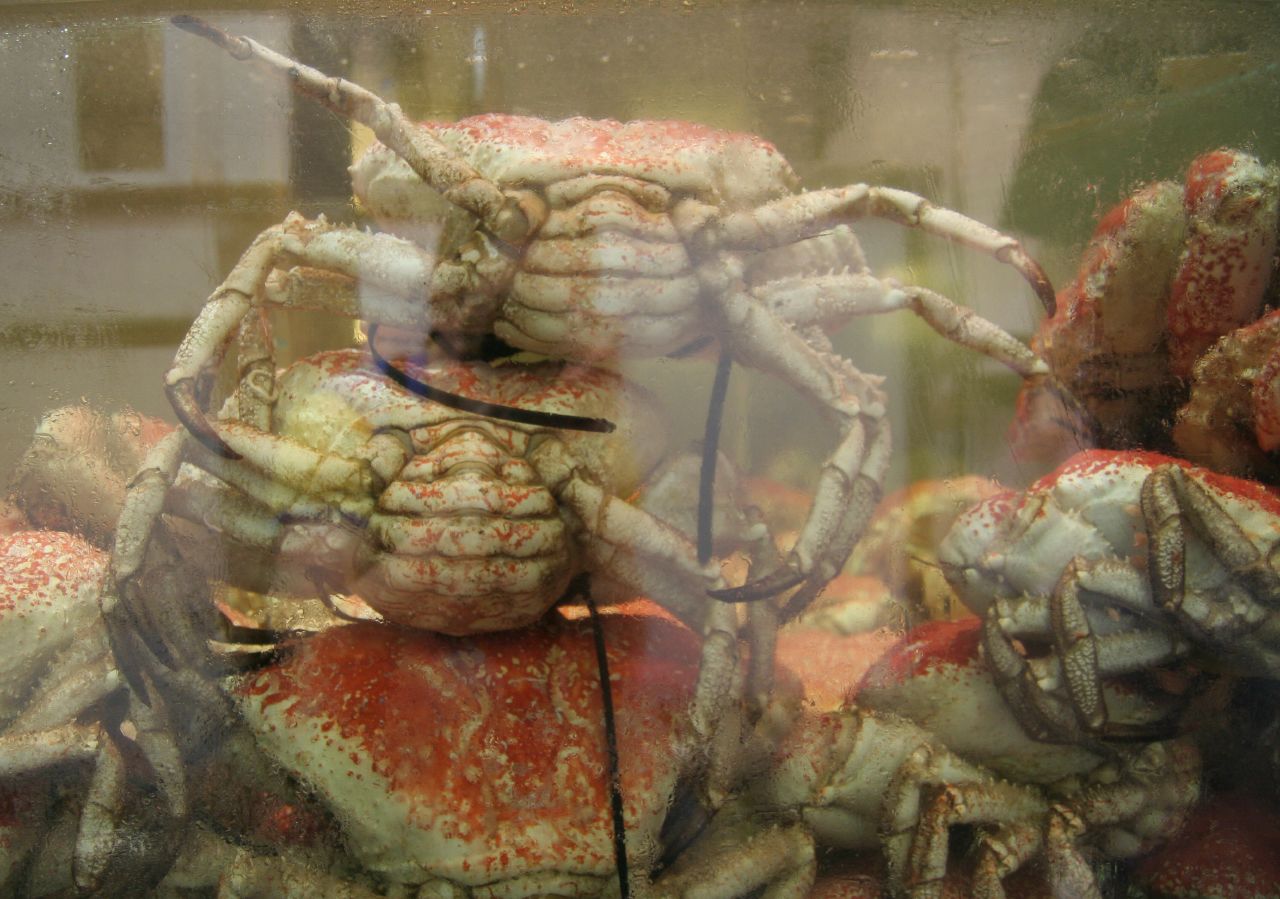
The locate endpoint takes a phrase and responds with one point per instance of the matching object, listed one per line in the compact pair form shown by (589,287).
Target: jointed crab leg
(246,287)
(1164,615)
(803,215)
(502,214)
(1029,685)
(1172,502)
(849,485)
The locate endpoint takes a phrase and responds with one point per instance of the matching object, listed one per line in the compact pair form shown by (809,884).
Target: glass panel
(998,287)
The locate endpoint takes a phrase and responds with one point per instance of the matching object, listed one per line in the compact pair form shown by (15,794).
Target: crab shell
(481,761)
(736,169)
(74,475)
(1167,271)
(1231,421)
(1233,207)
(49,587)
(466,537)
(607,272)
(1018,543)
(936,676)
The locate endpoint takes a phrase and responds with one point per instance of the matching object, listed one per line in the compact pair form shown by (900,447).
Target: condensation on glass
(999,434)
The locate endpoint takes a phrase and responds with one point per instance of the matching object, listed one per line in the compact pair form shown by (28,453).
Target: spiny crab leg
(1129,804)
(1083,656)
(804,215)
(504,215)
(849,485)
(392,274)
(1172,502)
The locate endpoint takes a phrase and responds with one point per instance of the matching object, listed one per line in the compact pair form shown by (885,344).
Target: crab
(1114,568)
(588,239)
(57,670)
(1231,420)
(439,519)
(479,807)
(74,475)
(94,782)
(1101,801)
(335,709)
(1168,271)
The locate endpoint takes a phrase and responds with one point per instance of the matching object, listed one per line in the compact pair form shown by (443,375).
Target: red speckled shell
(1232,202)
(736,169)
(479,759)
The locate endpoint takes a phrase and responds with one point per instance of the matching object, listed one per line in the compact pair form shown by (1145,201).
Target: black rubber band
(497,411)
(710,449)
(613,766)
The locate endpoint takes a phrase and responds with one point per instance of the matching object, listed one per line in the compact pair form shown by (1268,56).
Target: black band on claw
(480,407)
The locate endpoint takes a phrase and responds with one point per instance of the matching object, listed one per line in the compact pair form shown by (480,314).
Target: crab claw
(777,581)
(182,396)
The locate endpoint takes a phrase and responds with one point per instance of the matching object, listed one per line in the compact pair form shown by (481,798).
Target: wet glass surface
(138,162)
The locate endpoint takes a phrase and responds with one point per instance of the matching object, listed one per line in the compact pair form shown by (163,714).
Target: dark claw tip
(770,585)
(198,26)
(183,400)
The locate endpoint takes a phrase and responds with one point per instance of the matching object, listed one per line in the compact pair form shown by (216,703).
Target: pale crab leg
(1084,657)
(219,319)
(931,792)
(760,335)
(646,552)
(856,780)
(342,271)
(38,739)
(126,616)
(731,860)
(849,485)
(1128,807)
(660,562)
(1031,686)
(1132,809)
(401,268)
(209,861)
(804,215)
(1170,498)
(507,216)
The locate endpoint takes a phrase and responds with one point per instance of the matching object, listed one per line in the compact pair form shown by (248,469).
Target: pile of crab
(339,635)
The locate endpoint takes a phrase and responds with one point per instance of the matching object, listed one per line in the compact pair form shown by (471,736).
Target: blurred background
(137,162)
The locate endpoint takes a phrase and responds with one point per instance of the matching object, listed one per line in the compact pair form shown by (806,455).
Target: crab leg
(219,319)
(208,861)
(393,274)
(831,298)
(804,215)
(649,554)
(1083,656)
(849,485)
(661,562)
(503,215)
(1170,498)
